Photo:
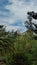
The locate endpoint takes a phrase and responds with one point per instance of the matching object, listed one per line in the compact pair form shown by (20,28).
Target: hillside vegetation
(17,49)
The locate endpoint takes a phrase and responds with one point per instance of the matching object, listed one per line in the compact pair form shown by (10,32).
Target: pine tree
(31,26)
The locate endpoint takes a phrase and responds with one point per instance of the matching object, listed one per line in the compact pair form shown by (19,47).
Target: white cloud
(9,28)
(20,8)
(18,11)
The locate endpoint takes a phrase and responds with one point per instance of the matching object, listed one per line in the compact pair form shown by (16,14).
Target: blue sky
(13,13)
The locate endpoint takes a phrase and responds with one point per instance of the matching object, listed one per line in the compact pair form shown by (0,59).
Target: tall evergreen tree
(31,26)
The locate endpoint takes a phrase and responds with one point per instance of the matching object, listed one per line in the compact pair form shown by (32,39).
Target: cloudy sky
(13,13)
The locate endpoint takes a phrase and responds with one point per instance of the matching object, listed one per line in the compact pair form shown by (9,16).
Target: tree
(29,25)
(6,44)
(32,14)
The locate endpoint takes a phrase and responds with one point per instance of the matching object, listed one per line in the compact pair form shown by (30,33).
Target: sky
(13,13)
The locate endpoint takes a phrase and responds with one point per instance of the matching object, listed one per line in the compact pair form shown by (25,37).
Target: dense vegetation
(17,48)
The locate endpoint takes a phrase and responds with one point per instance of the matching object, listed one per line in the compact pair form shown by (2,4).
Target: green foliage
(18,50)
